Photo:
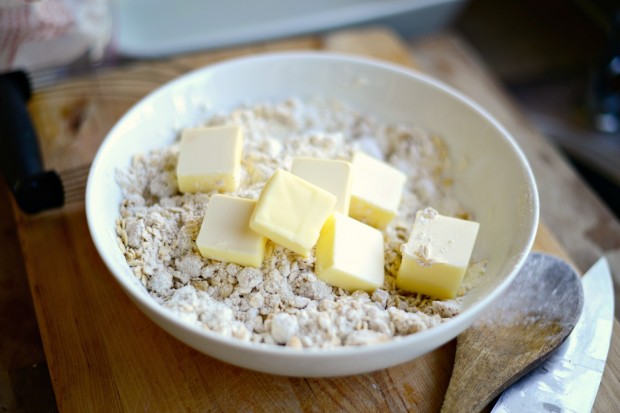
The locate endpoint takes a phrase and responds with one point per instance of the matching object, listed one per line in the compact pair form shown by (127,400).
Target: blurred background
(559,60)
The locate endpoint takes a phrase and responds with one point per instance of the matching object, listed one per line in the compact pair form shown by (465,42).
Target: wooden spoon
(516,335)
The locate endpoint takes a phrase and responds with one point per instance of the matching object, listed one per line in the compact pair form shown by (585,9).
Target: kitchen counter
(82,113)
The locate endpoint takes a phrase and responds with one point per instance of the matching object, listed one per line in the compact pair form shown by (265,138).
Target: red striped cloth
(24,21)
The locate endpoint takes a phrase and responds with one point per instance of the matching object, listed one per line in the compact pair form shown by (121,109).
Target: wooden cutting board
(102,353)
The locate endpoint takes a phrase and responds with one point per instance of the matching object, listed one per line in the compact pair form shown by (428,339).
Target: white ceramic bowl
(495,183)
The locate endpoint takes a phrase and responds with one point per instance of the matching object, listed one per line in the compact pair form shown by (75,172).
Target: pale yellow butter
(332,175)
(349,254)
(225,234)
(291,211)
(437,254)
(210,159)
(376,191)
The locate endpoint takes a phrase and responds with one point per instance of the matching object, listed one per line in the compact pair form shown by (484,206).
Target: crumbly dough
(283,302)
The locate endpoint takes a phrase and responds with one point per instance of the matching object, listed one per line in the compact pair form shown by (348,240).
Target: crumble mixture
(284,302)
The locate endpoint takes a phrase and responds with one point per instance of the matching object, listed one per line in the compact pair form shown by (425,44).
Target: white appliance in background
(155,28)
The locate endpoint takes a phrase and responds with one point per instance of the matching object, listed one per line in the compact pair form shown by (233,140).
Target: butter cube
(210,159)
(225,234)
(349,254)
(437,254)
(332,175)
(376,191)
(291,211)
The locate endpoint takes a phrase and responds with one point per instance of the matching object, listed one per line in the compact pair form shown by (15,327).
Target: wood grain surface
(105,355)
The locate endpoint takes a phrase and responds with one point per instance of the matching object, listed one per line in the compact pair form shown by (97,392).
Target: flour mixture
(283,302)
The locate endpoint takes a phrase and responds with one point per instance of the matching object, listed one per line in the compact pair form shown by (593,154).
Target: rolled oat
(284,303)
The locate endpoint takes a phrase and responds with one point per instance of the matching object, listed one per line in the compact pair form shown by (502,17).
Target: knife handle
(20,158)
(19,149)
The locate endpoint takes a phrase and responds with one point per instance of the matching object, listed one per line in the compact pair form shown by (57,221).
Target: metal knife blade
(569,380)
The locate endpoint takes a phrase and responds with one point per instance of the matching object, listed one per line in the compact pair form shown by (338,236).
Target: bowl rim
(426,336)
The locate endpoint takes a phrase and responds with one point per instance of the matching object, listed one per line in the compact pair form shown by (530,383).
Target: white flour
(284,302)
